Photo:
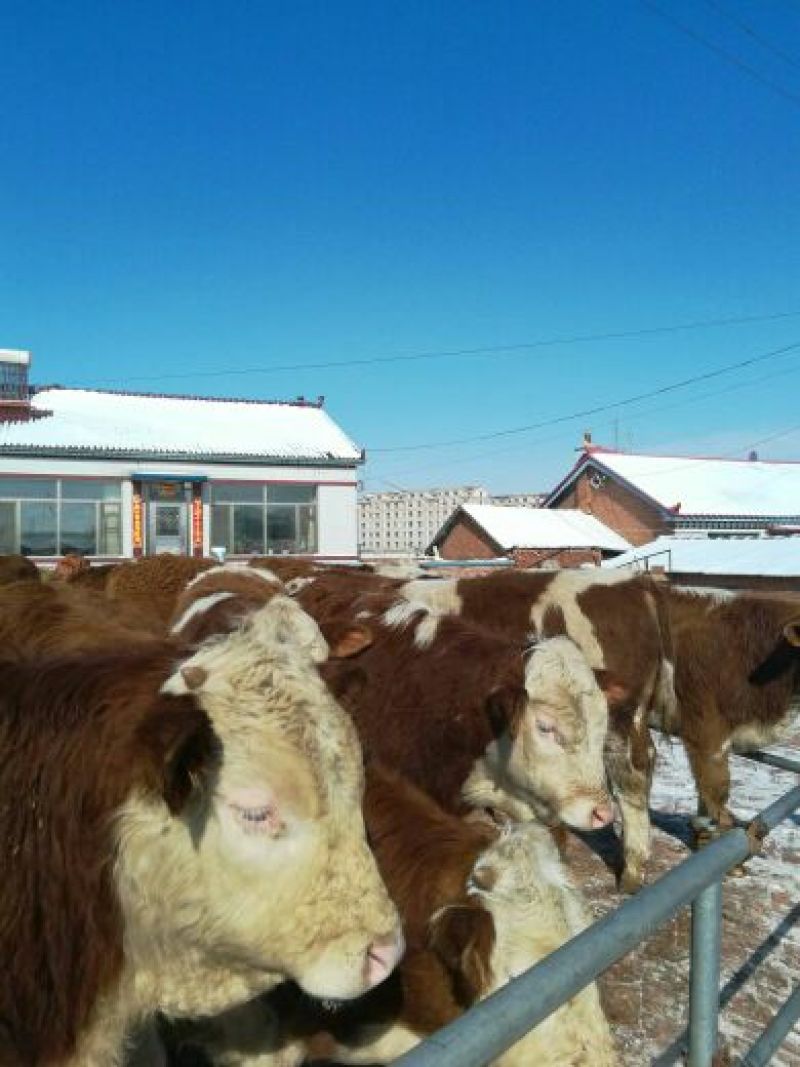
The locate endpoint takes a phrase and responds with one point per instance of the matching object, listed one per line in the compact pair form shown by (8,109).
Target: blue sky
(213,187)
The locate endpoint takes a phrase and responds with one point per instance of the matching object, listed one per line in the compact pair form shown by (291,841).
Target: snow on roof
(709,486)
(765,556)
(85,419)
(543,528)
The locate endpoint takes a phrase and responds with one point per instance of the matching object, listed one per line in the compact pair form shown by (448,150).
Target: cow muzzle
(383,955)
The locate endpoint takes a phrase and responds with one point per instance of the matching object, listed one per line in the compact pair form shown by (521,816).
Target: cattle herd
(271,813)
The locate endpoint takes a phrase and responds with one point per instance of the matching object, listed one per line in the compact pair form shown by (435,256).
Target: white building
(114,475)
(403,523)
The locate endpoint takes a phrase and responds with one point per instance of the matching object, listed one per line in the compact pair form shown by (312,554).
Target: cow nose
(602,814)
(383,955)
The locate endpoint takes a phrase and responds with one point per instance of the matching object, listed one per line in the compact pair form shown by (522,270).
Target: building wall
(621,510)
(336,498)
(562,557)
(466,541)
(406,522)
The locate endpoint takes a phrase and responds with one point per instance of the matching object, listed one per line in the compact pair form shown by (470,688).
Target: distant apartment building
(404,523)
(520,500)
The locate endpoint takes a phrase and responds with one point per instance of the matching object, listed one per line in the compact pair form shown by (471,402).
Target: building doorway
(168,518)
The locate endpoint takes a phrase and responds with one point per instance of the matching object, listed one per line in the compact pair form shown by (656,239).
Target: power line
(562,435)
(600,408)
(485,350)
(746,28)
(793,98)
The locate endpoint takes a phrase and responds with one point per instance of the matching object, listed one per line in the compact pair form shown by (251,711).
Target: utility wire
(585,412)
(486,350)
(746,28)
(793,98)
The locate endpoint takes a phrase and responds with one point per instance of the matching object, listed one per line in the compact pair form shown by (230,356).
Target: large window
(50,516)
(263,519)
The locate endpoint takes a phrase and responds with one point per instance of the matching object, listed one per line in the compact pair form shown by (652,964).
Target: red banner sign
(197,523)
(138,540)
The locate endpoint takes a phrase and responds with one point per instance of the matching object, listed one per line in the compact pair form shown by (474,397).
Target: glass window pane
(248,529)
(110,530)
(79,529)
(8,521)
(27,488)
(220,526)
(281,528)
(237,493)
(291,494)
(38,529)
(307,529)
(90,489)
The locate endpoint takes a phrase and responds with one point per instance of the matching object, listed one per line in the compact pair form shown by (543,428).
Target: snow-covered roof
(543,528)
(698,486)
(85,420)
(765,556)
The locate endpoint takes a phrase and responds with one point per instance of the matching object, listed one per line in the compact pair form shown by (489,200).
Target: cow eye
(259,820)
(546,728)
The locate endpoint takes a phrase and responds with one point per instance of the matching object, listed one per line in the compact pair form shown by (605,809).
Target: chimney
(752,456)
(15,401)
(586,444)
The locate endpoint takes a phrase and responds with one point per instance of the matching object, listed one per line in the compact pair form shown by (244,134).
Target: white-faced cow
(178,834)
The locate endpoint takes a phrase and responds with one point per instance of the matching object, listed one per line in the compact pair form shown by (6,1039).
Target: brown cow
(737,672)
(479,907)
(155,582)
(55,618)
(618,621)
(470,716)
(16,568)
(178,835)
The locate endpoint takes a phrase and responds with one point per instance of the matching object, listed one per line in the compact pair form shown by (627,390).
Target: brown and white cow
(737,677)
(479,907)
(619,623)
(155,582)
(178,834)
(472,717)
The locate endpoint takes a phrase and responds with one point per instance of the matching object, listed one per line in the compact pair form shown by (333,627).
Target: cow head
(268,868)
(547,759)
(520,883)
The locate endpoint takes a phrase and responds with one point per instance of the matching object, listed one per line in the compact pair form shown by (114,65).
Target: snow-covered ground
(646,993)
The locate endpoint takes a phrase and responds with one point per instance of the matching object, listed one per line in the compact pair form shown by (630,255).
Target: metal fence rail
(495,1024)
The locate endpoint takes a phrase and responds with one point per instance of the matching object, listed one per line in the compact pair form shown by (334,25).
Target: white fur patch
(294,585)
(439,595)
(199,606)
(563,593)
(403,612)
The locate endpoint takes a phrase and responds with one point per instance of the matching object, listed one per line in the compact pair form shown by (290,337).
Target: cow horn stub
(791,632)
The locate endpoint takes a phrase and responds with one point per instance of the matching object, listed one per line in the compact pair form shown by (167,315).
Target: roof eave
(60,452)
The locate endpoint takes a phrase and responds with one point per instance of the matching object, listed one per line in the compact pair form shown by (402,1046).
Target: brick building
(642,497)
(532,537)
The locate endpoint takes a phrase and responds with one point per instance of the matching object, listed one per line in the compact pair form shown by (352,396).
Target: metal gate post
(704,976)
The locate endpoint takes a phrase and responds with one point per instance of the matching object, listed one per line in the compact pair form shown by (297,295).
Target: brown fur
(439,721)
(155,582)
(92,577)
(249,593)
(76,736)
(57,618)
(16,568)
(723,649)
(288,567)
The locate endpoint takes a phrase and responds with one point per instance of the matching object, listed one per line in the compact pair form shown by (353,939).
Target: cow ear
(181,749)
(615,691)
(463,938)
(791,632)
(505,707)
(347,641)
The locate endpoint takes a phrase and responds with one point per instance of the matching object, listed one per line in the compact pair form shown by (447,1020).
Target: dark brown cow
(737,673)
(619,622)
(478,907)
(16,568)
